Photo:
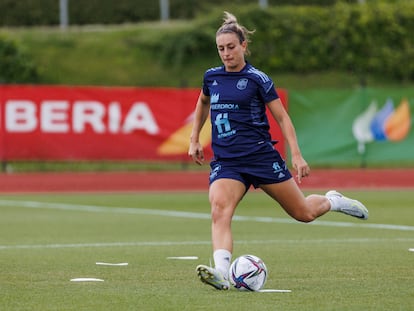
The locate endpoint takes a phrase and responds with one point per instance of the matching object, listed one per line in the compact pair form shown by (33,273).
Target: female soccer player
(236,96)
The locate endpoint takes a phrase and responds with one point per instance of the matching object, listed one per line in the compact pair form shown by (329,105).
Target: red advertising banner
(100,123)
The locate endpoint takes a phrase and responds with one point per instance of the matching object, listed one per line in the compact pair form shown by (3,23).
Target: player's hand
(302,168)
(196,153)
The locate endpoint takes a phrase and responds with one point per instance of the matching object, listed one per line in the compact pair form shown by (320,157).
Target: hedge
(15,65)
(373,38)
(46,12)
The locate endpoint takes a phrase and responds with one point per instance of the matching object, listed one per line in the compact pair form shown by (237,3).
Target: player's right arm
(201,113)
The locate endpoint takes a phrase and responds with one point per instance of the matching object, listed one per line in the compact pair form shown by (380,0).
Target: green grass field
(336,263)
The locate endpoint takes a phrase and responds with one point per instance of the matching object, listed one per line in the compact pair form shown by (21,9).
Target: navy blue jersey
(238,111)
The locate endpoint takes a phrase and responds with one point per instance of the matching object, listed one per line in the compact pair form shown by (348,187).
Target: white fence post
(263,4)
(63,14)
(164,10)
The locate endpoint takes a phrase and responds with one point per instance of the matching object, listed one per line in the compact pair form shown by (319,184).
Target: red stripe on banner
(99,123)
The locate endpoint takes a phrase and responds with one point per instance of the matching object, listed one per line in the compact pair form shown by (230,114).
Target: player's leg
(224,196)
(307,209)
(291,198)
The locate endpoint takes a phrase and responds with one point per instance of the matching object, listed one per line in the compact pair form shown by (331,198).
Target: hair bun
(229,18)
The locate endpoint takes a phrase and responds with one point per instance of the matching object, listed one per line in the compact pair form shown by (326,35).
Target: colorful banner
(100,123)
(365,127)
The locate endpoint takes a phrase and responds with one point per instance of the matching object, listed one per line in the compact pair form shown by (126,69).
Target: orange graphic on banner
(398,124)
(178,142)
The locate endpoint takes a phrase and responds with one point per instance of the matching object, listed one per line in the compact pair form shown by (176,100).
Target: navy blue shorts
(258,169)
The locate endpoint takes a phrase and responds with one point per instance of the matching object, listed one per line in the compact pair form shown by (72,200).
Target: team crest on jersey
(242,84)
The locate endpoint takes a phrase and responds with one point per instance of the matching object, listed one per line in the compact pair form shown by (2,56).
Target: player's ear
(244,47)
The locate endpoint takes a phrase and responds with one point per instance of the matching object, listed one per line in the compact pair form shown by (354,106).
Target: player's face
(231,51)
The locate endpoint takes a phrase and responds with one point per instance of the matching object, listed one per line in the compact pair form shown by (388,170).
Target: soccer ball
(248,273)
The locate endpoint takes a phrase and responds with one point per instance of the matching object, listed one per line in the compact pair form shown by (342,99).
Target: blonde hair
(230,25)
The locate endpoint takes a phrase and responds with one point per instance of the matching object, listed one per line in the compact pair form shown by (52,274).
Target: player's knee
(220,211)
(304,216)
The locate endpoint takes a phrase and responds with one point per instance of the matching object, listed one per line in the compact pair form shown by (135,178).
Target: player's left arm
(281,116)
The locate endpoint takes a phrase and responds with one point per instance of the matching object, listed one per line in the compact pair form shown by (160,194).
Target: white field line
(186,243)
(181,214)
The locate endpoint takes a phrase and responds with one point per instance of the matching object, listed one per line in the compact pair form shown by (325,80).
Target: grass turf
(338,263)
